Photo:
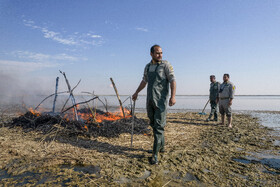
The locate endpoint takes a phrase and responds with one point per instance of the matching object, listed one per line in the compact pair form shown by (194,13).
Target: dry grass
(196,153)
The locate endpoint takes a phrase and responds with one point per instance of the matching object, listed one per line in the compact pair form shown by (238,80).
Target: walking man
(226,95)
(158,74)
(214,95)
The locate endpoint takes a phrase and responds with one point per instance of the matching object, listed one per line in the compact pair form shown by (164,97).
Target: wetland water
(184,102)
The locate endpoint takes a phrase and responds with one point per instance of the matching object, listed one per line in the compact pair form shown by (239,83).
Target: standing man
(214,95)
(226,95)
(158,74)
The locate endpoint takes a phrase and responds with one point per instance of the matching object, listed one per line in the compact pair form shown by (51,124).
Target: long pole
(133,121)
(55,94)
(205,107)
(115,88)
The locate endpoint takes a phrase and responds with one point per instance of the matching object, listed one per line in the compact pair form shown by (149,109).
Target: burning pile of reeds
(86,121)
(112,125)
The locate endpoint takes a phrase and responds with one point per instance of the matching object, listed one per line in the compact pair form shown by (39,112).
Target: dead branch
(71,94)
(79,104)
(130,106)
(55,93)
(105,105)
(49,97)
(76,85)
(93,113)
(115,88)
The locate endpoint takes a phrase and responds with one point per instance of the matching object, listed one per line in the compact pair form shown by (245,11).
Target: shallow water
(271,120)
(268,119)
(269,160)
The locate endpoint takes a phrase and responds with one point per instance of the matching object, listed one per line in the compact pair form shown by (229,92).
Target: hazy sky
(94,40)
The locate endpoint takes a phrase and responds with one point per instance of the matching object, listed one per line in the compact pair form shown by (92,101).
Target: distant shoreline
(143,95)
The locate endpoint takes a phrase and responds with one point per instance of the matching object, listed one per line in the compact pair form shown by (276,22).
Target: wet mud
(198,153)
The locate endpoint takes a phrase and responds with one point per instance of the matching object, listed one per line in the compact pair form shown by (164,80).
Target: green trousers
(157,116)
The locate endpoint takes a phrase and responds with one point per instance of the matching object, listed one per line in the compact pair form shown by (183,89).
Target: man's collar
(156,62)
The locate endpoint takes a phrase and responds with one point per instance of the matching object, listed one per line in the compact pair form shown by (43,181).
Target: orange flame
(89,117)
(34,112)
(105,117)
(86,127)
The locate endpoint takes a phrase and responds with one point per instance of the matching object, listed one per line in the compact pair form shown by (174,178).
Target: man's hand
(230,102)
(217,100)
(140,87)
(134,96)
(172,101)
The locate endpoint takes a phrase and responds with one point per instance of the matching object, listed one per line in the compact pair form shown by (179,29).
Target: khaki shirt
(227,90)
(165,70)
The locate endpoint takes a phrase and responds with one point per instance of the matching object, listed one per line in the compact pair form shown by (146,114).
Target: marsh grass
(197,153)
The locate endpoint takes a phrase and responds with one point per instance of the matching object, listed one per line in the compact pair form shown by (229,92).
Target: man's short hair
(213,76)
(226,74)
(153,48)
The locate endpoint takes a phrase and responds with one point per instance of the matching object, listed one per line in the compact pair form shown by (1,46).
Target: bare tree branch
(79,104)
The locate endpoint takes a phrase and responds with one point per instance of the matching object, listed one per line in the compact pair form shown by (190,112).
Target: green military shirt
(165,70)
(227,90)
(214,91)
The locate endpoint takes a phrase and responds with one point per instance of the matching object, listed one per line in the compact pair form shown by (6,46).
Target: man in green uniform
(226,95)
(214,94)
(158,74)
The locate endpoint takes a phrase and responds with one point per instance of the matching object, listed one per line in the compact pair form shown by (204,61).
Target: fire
(91,115)
(105,117)
(34,112)
(86,127)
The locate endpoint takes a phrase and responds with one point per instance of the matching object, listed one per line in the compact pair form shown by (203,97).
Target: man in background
(226,95)
(213,97)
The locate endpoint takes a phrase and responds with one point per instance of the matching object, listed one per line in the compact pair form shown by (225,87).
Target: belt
(223,98)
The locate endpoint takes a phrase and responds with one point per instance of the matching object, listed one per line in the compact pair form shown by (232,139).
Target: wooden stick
(115,88)
(71,95)
(55,94)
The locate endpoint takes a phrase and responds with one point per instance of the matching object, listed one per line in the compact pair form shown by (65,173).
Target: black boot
(154,160)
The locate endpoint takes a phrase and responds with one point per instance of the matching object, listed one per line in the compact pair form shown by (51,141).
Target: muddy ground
(198,153)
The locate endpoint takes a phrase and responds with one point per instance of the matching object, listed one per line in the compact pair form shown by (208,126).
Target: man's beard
(156,60)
